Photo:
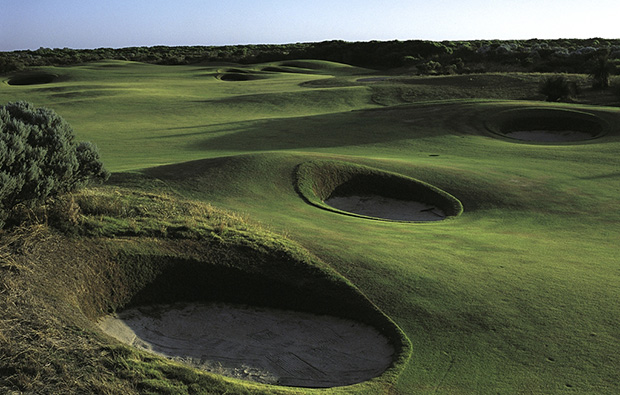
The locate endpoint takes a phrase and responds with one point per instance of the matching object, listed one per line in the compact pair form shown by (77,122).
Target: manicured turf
(519,294)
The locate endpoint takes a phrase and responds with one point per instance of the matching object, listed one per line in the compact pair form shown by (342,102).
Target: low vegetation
(39,159)
(558,88)
(426,57)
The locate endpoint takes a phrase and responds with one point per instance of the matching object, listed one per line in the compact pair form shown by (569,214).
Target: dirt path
(263,345)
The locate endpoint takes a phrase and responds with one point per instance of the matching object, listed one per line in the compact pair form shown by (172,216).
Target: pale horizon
(117,24)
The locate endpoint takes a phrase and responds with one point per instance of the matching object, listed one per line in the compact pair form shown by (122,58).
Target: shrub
(430,67)
(557,88)
(602,71)
(615,87)
(39,158)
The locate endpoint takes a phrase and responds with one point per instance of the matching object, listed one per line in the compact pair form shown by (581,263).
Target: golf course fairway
(220,176)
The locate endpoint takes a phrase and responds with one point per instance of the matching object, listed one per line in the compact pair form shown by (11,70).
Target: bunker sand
(262,345)
(387,208)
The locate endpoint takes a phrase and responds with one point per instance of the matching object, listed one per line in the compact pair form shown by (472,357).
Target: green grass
(169,110)
(518,294)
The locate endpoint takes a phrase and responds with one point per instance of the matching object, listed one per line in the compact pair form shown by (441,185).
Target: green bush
(39,158)
(557,88)
(615,86)
(602,70)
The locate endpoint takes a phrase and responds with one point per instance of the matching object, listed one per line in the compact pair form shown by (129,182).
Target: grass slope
(516,295)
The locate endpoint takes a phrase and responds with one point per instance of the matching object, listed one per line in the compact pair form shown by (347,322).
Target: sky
(83,24)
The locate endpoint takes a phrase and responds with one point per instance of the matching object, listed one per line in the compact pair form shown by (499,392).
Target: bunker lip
(262,293)
(546,125)
(369,193)
(258,344)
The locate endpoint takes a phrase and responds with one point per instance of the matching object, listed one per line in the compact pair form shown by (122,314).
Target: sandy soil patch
(388,208)
(549,136)
(263,345)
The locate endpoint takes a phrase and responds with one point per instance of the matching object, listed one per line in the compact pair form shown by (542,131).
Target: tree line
(421,56)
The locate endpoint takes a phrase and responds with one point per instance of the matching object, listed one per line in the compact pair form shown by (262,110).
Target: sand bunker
(546,125)
(32,79)
(358,190)
(263,345)
(388,208)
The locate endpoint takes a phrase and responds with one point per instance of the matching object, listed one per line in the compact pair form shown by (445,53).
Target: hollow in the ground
(258,344)
(546,125)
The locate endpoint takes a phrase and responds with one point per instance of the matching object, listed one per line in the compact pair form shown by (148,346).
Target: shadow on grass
(602,176)
(322,131)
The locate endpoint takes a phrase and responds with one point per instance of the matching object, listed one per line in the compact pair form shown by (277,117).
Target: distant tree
(9,62)
(39,157)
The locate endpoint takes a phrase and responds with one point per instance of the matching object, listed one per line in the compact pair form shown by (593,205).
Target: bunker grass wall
(213,271)
(54,289)
(317,181)
(79,279)
(541,118)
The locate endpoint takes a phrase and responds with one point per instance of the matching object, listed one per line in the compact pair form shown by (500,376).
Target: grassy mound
(317,181)
(395,89)
(308,64)
(546,119)
(135,248)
